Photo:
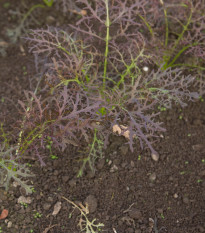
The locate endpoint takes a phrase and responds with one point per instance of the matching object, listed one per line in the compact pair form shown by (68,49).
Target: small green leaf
(102,111)
(48,3)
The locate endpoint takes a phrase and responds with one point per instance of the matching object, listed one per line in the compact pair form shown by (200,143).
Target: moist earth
(129,192)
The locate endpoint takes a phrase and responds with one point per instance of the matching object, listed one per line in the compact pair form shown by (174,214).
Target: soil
(129,192)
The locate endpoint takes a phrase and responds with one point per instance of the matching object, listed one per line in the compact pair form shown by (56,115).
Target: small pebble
(176,195)
(185,200)
(23,199)
(155,156)
(135,214)
(9,225)
(46,206)
(50,20)
(65,178)
(92,203)
(72,183)
(153,177)
(114,168)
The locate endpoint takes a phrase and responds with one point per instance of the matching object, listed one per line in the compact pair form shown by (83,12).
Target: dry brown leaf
(117,129)
(4,214)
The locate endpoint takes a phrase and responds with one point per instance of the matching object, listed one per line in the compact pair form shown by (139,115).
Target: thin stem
(30,11)
(24,119)
(107,24)
(147,24)
(185,27)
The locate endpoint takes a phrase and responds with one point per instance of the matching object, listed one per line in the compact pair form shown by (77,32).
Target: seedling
(84,223)
(25,205)
(33,190)
(162,216)
(48,3)
(24,71)
(28,164)
(6,5)
(54,157)
(95,81)
(37,215)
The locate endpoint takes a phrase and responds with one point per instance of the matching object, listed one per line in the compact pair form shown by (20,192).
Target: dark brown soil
(129,192)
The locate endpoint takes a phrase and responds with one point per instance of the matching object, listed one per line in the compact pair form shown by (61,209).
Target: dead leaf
(4,214)
(117,129)
(57,208)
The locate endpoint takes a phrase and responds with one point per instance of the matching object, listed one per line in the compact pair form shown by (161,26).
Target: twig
(48,228)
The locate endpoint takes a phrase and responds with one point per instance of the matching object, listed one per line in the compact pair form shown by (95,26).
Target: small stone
(185,200)
(4,44)
(155,156)
(160,211)
(153,177)
(65,178)
(28,209)
(129,230)
(46,206)
(38,197)
(90,174)
(50,20)
(101,164)
(202,173)
(171,178)
(50,199)
(16,184)
(132,164)
(72,183)
(57,208)
(200,228)
(135,214)
(124,150)
(3,195)
(110,162)
(92,203)
(55,173)
(138,231)
(9,225)
(23,199)
(176,196)
(114,168)
(22,211)
(197,122)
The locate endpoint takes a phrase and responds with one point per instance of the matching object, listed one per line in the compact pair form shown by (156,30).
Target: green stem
(129,68)
(24,119)
(107,24)
(30,11)
(185,27)
(180,52)
(167,28)
(147,24)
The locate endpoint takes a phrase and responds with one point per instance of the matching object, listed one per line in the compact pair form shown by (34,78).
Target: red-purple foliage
(76,104)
